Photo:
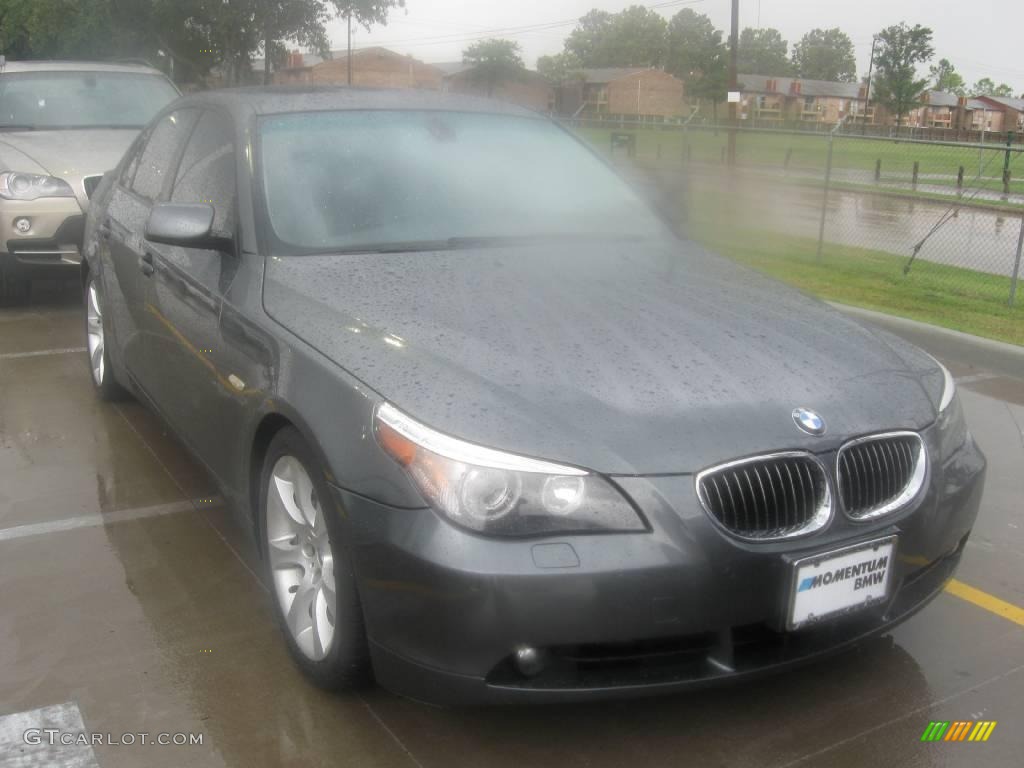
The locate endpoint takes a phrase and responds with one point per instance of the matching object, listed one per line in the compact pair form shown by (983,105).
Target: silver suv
(63,124)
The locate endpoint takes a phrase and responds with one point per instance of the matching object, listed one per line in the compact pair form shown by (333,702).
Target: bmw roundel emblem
(808,421)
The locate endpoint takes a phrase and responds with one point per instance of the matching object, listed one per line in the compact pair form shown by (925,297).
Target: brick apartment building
(767,100)
(631,92)
(1012,111)
(371,67)
(939,109)
(527,88)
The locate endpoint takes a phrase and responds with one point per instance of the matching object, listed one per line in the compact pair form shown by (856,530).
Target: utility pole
(349,17)
(734,41)
(871,67)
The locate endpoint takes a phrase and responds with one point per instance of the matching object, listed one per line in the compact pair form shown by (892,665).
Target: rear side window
(165,139)
(207,170)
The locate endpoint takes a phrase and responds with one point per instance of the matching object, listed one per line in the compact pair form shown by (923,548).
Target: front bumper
(51,247)
(624,614)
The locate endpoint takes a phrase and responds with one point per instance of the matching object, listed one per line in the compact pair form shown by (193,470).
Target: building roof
(286,99)
(1008,101)
(312,59)
(784,85)
(449,68)
(598,75)
(78,66)
(942,99)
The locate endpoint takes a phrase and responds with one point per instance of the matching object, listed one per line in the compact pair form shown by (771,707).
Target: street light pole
(734,40)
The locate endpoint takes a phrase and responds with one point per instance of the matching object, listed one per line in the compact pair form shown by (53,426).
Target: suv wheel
(307,568)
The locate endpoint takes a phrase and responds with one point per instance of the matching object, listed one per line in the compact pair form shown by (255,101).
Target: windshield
(48,100)
(361,179)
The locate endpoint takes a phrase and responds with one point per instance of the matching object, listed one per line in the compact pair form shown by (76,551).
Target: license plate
(839,582)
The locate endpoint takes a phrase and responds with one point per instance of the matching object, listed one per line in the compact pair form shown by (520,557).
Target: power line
(512,31)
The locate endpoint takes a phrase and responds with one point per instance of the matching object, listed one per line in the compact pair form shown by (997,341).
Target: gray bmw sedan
(500,434)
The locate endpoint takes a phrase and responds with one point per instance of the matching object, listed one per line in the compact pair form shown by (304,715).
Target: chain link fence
(932,227)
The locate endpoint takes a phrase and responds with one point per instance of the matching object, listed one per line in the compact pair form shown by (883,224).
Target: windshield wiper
(5,128)
(499,240)
(461,243)
(457,244)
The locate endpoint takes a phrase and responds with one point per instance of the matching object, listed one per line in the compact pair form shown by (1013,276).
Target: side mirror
(186,225)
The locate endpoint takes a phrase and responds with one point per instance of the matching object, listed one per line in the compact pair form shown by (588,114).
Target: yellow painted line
(990,603)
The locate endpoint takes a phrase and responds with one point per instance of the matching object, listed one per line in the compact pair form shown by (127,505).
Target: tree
(296,21)
(901,48)
(193,34)
(157,31)
(696,55)
(493,61)
(763,52)
(987,87)
(825,54)
(559,68)
(945,78)
(634,37)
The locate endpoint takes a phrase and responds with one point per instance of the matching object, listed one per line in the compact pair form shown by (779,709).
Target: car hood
(623,359)
(67,154)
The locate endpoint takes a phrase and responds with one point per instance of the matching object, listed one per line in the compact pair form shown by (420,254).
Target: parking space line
(990,603)
(41,353)
(92,521)
(25,743)
(177,484)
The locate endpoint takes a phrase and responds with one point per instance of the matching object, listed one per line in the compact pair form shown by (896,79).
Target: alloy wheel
(94,331)
(301,558)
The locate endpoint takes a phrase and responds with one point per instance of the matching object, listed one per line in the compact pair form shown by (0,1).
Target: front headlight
(951,424)
(948,388)
(500,493)
(31,186)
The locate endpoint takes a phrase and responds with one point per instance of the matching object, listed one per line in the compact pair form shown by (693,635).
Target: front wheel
(309,574)
(96,339)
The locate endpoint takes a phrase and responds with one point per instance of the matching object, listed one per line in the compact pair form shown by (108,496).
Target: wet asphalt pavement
(128,598)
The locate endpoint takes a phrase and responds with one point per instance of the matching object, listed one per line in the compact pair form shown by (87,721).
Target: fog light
(23,225)
(529,661)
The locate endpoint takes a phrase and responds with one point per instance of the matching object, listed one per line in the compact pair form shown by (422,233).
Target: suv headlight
(32,186)
(499,493)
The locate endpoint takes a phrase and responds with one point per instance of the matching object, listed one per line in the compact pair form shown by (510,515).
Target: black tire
(346,665)
(105,383)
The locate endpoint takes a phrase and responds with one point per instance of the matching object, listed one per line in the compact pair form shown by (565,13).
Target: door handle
(104,229)
(146,263)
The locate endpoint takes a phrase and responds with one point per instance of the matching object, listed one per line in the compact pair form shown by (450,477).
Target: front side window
(358,179)
(63,100)
(154,163)
(206,173)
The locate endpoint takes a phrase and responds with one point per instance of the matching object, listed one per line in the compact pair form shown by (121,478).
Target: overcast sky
(981,37)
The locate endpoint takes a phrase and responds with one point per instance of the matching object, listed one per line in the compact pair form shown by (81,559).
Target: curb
(975,351)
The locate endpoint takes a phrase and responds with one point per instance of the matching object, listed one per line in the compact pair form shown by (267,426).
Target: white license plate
(841,581)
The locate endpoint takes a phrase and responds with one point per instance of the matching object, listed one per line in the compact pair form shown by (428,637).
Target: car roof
(284,99)
(77,66)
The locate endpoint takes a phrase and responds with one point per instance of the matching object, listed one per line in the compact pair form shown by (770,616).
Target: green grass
(808,152)
(951,297)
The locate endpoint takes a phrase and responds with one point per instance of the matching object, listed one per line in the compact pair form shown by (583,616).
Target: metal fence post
(828,180)
(824,198)
(1016,264)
